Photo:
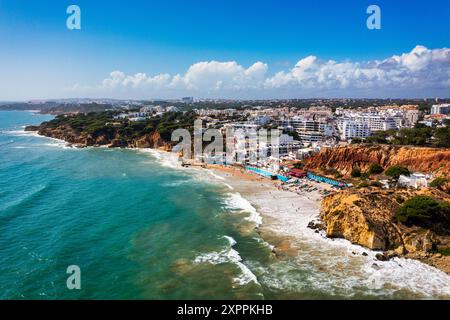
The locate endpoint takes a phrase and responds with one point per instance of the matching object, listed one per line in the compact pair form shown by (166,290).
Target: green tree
(375,168)
(439,182)
(298,165)
(442,137)
(356,140)
(356,172)
(396,171)
(426,212)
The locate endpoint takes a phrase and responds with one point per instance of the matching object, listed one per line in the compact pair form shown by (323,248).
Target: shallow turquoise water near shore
(140,229)
(132,225)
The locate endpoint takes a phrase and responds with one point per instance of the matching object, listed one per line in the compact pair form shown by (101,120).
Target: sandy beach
(337,264)
(284,213)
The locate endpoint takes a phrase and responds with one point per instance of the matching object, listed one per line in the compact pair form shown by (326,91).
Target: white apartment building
(309,129)
(380,123)
(354,129)
(440,109)
(411,117)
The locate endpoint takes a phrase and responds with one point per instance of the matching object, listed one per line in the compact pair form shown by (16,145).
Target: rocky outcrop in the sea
(344,159)
(367,217)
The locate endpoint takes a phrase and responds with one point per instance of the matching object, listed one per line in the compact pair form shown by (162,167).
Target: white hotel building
(354,129)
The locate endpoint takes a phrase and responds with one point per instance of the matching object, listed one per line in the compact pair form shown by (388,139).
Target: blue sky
(41,58)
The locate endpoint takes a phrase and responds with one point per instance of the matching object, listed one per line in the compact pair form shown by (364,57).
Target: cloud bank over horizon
(419,73)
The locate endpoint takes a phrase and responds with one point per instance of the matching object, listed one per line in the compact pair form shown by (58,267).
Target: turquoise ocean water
(137,228)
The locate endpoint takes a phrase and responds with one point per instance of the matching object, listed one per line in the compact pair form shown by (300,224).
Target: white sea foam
(153,152)
(53,142)
(229,255)
(228,186)
(58,144)
(215,175)
(246,275)
(231,241)
(262,241)
(166,159)
(235,201)
(21,133)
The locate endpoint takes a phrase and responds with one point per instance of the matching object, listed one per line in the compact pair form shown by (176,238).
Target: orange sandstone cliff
(366,217)
(343,159)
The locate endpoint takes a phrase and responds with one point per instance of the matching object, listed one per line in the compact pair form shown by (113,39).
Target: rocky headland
(84,139)
(102,129)
(367,217)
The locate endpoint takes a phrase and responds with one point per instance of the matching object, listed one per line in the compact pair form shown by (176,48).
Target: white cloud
(214,75)
(420,69)
(116,78)
(135,80)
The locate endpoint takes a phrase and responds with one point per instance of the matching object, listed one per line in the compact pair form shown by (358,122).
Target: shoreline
(285,216)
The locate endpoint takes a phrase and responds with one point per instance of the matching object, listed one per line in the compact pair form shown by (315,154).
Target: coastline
(283,220)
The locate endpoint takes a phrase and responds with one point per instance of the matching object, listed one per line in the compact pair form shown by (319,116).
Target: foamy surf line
(170,160)
(54,142)
(165,158)
(229,255)
(236,201)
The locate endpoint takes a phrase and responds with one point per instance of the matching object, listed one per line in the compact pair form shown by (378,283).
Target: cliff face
(344,159)
(153,140)
(84,139)
(351,215)
(366,217)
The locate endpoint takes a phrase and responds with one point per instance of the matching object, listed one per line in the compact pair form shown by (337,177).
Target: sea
(138,226)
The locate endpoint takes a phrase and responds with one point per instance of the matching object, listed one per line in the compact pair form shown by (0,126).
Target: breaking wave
(235,201)
(229,255)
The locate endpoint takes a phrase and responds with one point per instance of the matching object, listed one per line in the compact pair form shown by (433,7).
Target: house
(415,180)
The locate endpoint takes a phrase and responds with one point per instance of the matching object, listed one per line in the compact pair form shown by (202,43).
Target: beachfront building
(283,146)
(252,145)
